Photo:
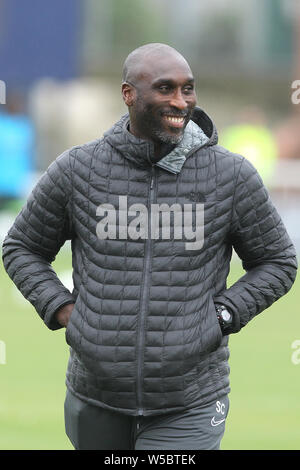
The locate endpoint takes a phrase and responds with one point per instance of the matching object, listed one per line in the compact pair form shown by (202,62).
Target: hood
(199,132)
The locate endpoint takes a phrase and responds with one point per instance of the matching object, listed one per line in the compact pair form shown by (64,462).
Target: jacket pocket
(211,333)
(68,334)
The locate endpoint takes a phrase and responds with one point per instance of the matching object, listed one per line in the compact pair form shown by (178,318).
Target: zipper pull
(152,176)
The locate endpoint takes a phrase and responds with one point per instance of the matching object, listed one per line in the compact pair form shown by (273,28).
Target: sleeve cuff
(49,317)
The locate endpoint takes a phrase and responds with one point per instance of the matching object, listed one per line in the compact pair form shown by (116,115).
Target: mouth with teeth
(175,121)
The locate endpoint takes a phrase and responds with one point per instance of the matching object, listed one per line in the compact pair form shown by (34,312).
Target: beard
(150,122)
(167,138)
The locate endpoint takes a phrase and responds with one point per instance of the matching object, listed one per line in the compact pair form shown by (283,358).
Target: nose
(178,100)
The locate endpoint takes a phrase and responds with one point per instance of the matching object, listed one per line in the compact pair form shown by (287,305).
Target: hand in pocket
(64,313)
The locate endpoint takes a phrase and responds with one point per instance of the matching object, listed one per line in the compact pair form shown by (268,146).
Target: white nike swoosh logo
(216,423)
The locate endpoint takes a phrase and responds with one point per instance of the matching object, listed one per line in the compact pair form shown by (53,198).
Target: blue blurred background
(60,76)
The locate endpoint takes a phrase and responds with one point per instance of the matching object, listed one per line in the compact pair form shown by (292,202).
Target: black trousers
(92,428)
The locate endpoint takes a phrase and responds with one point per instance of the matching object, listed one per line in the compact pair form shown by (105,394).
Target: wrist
(225,318)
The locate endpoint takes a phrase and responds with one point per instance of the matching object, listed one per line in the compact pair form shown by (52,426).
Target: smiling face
(160,96)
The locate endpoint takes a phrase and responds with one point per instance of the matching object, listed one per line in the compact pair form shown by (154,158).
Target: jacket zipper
(145,297)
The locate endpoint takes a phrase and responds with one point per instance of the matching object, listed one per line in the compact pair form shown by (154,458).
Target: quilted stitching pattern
(163,352)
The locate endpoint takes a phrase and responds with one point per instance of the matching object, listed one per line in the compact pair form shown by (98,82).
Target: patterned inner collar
(193,137)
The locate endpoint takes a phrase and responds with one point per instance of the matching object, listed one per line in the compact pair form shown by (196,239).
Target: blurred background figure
(251,137)
(16,150)
(288,137)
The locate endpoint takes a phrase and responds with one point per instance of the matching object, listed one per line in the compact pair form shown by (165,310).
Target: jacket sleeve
(32,243)
(260,239)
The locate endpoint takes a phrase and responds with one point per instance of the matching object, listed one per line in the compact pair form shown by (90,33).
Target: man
(153,210)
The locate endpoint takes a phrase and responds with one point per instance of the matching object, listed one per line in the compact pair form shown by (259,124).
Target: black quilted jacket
(144,336)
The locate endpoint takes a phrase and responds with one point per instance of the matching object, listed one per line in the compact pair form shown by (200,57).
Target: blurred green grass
(265,383)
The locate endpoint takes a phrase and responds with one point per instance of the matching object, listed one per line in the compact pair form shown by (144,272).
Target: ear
(128,93)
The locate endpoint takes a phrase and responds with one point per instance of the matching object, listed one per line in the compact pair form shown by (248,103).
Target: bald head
(140,61)
(158,89)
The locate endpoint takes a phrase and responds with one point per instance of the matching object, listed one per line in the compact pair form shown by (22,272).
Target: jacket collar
(199,132)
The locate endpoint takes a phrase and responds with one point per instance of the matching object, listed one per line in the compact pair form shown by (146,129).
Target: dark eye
(164,88)
(188,89)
